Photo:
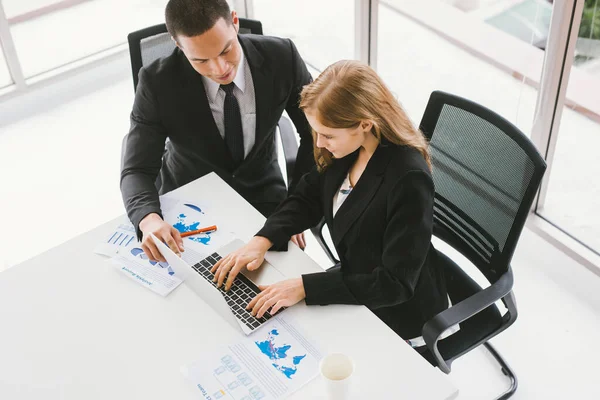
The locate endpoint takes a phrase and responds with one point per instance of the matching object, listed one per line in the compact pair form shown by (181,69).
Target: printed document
(129,258)
(270,364)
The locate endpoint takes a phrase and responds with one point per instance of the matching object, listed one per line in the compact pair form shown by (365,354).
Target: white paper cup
(336,370)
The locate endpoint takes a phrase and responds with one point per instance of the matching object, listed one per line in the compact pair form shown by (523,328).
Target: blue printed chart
(292,357)
(280,355)
(189,216)
(189,220)
(124,235)
(271,363)
(138,252)
(127,255)
(122,242)
(121,237)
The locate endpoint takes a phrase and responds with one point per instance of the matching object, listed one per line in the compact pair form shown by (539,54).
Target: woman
(374,187)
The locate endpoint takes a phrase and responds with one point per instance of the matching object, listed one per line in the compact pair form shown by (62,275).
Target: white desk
(72,327)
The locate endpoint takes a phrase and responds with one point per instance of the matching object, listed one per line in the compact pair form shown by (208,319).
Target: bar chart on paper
(122,236)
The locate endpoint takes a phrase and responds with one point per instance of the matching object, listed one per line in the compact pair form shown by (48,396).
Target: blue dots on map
(279,355)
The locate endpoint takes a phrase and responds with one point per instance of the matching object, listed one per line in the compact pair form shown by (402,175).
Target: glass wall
(323,31)
(492,52)
(5,78)
(488,51)
(48,34)
(572,199)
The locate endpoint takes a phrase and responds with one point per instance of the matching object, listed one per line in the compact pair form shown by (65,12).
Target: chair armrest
(317,232)
(289,144)
(123,144)
(433,329)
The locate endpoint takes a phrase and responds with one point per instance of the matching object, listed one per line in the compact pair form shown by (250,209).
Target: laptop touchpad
(265,275)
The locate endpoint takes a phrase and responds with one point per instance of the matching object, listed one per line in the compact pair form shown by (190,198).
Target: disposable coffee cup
(336,370)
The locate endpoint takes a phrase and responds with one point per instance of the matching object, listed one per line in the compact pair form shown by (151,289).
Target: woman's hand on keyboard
(281,294)
(251,256)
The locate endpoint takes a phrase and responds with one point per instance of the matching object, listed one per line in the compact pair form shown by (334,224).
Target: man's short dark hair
(194,17)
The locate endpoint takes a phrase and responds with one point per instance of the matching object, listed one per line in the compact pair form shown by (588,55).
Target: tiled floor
(59,171)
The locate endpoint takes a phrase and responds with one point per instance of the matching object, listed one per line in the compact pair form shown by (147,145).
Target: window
(490,52)
(5,78)
(48,34)
(571,200)
(323,31)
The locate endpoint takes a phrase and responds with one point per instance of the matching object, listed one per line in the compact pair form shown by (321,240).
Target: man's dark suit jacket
(170,102)
(382,234)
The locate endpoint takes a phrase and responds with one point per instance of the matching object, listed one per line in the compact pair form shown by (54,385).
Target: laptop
(230,305)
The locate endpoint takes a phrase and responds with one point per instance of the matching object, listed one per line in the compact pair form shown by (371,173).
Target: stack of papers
(128,257)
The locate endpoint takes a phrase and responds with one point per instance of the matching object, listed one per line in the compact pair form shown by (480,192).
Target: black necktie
(234,137)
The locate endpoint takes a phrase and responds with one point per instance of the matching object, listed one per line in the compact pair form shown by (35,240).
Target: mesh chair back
(152,43)
(155,47)
(486,173)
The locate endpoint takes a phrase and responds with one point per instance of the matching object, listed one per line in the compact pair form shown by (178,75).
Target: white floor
(60,177)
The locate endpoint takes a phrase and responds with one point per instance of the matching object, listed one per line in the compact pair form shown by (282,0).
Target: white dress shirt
(341,194)
(244,93)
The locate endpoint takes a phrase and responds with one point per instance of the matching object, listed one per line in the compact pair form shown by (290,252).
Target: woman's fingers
(233,274)
(270,302)
(223,271)
(219,263)
(277,306)
(221,268)
(258,297)
(216,266)
(253,302)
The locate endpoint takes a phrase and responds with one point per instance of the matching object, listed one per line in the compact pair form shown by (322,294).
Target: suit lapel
(201,122)
(360,197)
(263,91)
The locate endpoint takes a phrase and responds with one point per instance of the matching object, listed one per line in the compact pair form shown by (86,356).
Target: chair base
(506,370)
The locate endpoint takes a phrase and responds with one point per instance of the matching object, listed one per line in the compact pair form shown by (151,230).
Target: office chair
(317,232)
(149,44)
(486,174)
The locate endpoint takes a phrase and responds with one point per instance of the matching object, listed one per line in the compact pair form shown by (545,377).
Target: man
(217,98)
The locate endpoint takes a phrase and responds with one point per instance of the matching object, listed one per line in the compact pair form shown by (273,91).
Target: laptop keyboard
(242,291)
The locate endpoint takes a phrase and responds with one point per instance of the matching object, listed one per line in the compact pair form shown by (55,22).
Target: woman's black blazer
(382,234)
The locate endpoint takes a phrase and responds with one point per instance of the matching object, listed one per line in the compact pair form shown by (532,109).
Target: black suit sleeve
(142,155)
(304,159)
(406,241)
(300,211)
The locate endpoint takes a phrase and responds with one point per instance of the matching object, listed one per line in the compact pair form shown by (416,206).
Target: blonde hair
(349,92)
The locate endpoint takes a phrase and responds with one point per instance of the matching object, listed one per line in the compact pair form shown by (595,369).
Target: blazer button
(233,176)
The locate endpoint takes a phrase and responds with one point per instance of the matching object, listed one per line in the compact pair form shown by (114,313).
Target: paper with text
(271,363)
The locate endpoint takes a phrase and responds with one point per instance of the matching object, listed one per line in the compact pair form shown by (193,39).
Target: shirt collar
(212,87)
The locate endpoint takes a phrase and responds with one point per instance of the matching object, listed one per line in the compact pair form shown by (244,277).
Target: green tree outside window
(590,20)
